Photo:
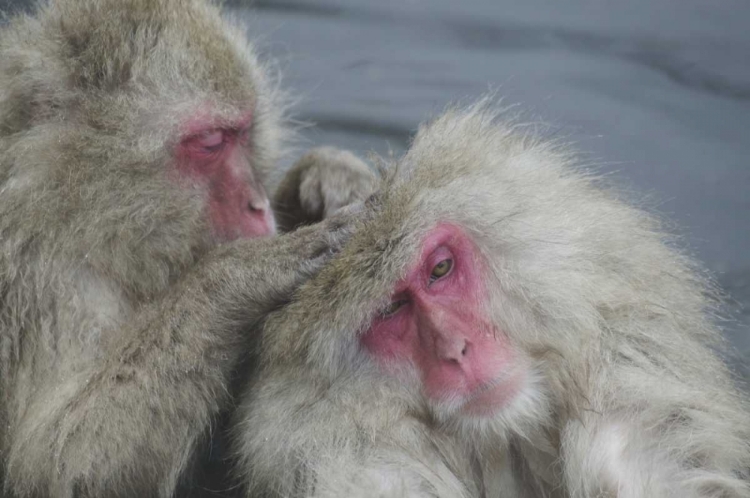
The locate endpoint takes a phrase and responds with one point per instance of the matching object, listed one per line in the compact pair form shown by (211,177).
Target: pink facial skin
(440,326)
(217,156)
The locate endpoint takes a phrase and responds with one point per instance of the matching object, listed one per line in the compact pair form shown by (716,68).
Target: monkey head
(433,298)
(169,117)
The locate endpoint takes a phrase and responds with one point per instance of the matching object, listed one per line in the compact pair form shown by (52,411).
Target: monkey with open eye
(502,325)
(138,141)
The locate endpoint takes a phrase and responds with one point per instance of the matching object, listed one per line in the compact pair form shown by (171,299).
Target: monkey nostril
(453,351)
(257,207)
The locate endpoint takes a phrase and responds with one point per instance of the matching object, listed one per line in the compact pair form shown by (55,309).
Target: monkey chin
(486,401)
(489,399)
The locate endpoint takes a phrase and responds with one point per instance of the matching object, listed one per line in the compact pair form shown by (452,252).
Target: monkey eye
(208,142)
(441,269)
(393,308)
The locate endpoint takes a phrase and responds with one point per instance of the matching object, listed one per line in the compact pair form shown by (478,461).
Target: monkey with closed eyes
(138,141)
(501,325)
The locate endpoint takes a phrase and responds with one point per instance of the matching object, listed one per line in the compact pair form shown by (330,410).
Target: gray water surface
(657,92)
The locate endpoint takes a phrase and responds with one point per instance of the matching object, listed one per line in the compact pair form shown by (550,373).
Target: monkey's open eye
(392,308)
(441,269)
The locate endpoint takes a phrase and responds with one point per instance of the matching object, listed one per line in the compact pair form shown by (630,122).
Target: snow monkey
(502,325)
(138,139)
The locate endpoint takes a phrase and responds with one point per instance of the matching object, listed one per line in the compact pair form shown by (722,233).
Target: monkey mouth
(492,396)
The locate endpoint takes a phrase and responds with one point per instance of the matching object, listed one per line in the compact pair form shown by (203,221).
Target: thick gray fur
(120,319)
(627,395)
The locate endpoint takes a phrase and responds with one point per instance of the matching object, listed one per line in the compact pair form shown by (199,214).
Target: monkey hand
(320,183)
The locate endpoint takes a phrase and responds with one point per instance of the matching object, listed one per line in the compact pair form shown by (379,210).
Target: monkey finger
(313,241)
(334,190)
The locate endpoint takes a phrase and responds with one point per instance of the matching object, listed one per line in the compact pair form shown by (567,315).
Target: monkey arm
(138,406)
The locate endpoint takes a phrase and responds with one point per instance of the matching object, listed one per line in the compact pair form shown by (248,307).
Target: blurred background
(656,92)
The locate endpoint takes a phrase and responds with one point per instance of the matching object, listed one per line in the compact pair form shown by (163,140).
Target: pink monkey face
(217,157)
(437,322)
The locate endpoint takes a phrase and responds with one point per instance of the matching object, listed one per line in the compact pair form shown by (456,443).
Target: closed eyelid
(208,142)
(210,138)
(394,307)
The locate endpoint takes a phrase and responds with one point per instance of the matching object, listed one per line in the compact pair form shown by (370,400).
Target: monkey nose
(260,216)
(452,349)
(259,205)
